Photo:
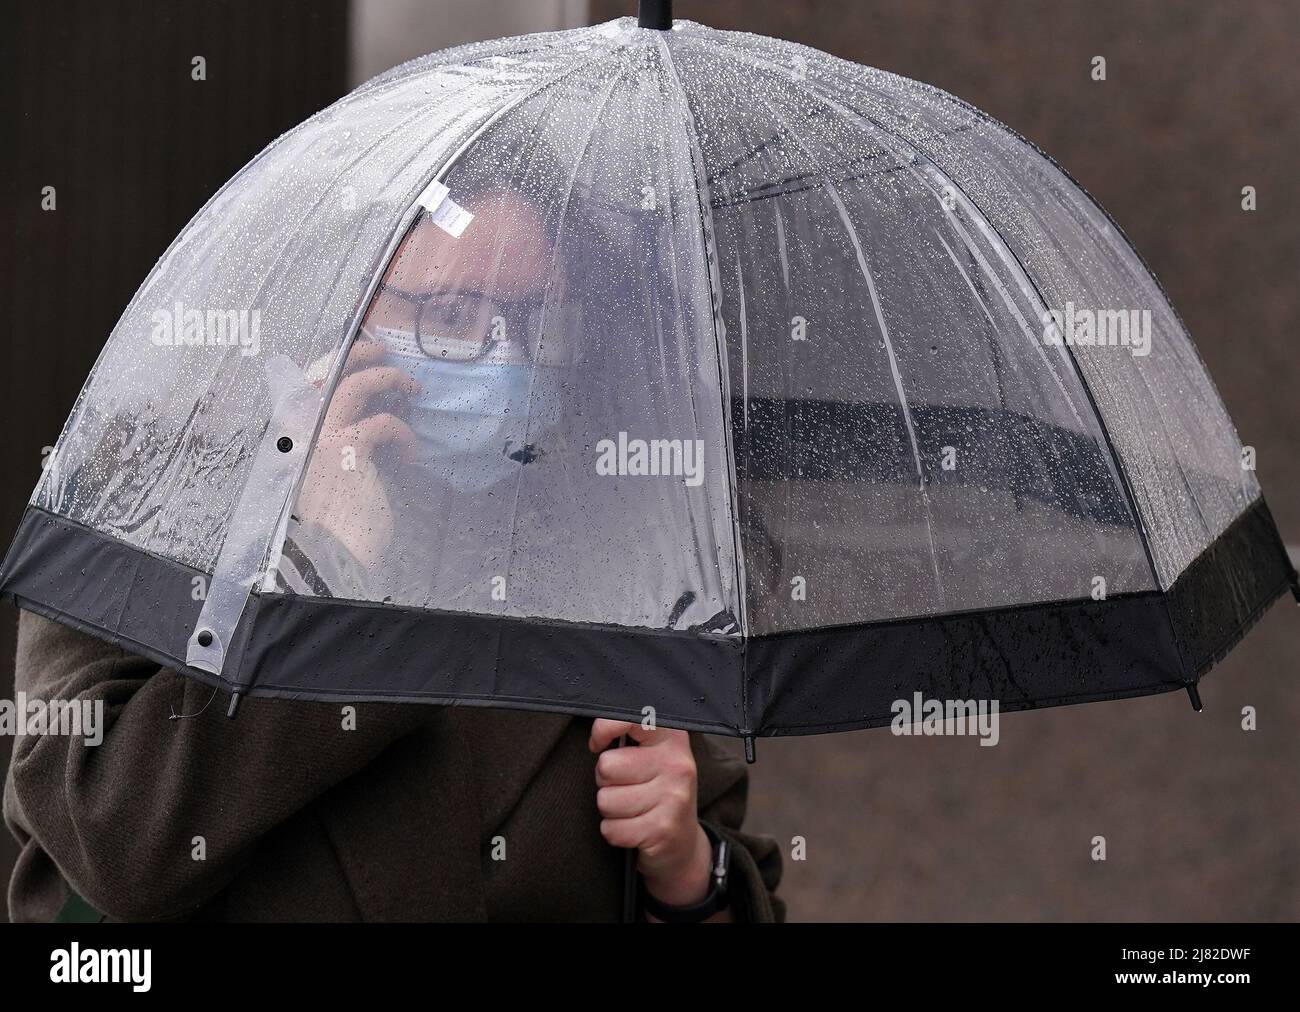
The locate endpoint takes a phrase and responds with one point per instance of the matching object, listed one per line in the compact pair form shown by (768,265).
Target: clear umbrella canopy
(623,368)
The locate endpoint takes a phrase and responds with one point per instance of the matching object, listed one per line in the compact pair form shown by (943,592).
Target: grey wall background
(387,32)
(1202,819)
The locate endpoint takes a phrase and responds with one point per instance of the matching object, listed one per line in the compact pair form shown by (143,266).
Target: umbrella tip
(234,704)
(656,14)
(1195,697)
(751,755)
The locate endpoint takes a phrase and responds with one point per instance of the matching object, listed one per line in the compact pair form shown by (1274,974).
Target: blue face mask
(473,418)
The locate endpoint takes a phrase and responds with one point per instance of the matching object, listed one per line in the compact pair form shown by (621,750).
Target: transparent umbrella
(652,370)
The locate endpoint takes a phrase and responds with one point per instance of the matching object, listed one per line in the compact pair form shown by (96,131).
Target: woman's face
(475,296)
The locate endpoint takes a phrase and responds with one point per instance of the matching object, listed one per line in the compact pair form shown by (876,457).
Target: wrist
(690,883)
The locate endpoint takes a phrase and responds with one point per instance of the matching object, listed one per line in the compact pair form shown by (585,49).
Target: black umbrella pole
(656,14)
(629,886)
(629,863)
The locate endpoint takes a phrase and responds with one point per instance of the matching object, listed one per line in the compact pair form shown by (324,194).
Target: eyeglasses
(467,326)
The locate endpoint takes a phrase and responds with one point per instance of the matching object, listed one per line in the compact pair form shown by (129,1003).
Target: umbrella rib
(865,269)
(897,378)
(541,327)
(709,250)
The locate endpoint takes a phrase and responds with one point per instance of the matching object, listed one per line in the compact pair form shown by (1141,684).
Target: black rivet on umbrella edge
(1195,697)
(205,637)
(284,444)
(656,14)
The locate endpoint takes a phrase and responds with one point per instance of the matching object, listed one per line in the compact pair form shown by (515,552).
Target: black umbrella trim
(808,682)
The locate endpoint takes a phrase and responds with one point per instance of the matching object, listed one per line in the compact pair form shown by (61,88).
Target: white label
(434,194)
(443,211)
(451,218)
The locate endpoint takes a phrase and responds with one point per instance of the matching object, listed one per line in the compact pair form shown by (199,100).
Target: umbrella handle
(629,859)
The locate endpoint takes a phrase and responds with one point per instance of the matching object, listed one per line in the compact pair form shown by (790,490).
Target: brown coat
(303,820)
